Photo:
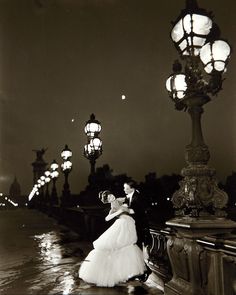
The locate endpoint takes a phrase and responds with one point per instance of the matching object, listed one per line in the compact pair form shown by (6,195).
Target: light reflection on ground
(41,258)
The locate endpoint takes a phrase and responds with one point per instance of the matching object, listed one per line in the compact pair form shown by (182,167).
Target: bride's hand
(127,210)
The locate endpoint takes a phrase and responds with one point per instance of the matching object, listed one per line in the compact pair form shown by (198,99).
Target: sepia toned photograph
(117,147)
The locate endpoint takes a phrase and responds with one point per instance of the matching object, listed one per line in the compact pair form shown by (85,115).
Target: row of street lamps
(52,175)
(92,150)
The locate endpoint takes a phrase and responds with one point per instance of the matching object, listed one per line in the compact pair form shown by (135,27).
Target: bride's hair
(103,196)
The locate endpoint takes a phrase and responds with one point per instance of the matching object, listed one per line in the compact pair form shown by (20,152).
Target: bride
(115,258)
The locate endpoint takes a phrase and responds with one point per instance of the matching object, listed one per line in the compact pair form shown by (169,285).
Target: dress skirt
(115,257)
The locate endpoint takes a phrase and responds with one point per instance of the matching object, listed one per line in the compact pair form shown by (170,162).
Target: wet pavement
(40,257)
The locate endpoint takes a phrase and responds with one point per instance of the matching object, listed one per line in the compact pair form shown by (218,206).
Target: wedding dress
(115,257)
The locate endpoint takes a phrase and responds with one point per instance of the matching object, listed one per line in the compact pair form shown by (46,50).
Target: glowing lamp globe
(176,86)
(54,165)
(54,174)
(66,153)
(191,29)
(47,179)
(215,56)
(47,173)
(67,165)
(92,126)
(96,143)
(88,150)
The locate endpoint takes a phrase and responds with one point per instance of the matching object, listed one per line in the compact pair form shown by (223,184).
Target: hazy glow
(123,97)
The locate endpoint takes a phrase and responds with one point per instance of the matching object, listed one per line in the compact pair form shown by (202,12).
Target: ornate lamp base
(199,194)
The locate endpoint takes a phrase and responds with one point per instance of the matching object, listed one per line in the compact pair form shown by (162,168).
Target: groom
(135,201)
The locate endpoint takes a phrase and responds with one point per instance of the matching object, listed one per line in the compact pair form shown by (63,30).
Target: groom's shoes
(142,278)
(145,275)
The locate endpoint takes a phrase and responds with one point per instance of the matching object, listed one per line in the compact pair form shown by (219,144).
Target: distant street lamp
(92,127)
(199,203)
(66,167)
(93,149)
(54,175)
(47,174)
(42,178)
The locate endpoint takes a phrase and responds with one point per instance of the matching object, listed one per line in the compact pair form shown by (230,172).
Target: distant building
(15,190)
(15,196)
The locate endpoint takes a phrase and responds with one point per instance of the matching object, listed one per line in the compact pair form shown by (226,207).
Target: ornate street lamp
(205,61)
(199,203)
(66,167)
(93,149)
(54,175)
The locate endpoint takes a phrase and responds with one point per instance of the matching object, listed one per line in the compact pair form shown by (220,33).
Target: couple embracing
(117,255)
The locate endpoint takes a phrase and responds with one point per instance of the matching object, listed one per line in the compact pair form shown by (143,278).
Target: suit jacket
(138,204)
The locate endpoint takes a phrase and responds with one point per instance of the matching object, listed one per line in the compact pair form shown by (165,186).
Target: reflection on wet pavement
(39,257)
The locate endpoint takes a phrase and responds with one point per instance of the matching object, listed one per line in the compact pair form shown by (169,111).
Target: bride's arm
(112,215)
(122,209)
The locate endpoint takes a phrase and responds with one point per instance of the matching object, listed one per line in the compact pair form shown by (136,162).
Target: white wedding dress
(115,257)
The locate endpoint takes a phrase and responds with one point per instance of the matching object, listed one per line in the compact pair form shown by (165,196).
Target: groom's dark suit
(141,221)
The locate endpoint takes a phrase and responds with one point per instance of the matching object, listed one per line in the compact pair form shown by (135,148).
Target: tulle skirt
(115,257)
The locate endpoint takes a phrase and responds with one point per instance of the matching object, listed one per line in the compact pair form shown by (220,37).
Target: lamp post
(47,174)
(66,167)
(54,175)
(93,149)
(205,61)
(199,203)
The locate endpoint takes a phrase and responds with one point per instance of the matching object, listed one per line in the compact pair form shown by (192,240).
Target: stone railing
(158,257)
(221,266)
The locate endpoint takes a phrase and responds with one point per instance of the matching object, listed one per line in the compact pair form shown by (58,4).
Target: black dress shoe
(142,278)
(145,275)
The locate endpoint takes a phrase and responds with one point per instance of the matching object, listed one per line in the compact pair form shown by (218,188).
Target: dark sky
(65,59)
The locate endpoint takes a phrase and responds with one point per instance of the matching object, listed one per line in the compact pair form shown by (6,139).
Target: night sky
(65,59)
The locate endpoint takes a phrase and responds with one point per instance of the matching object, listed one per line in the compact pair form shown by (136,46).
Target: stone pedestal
(187,257)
